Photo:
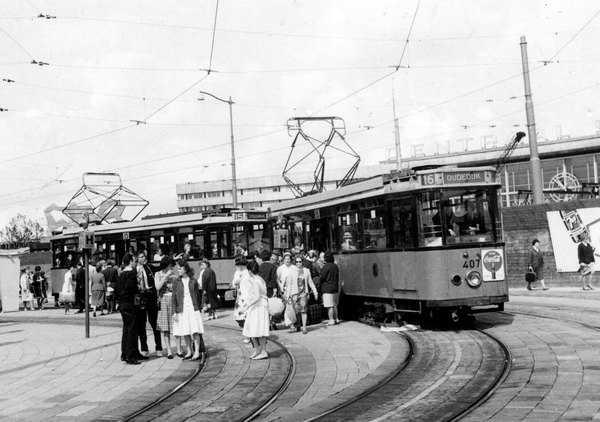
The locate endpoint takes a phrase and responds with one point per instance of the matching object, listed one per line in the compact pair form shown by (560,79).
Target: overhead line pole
(534,159)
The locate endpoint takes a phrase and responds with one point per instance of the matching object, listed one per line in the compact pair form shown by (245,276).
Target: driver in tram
(450,220)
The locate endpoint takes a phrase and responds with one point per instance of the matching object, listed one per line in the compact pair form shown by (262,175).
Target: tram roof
(184,220)
(394,182)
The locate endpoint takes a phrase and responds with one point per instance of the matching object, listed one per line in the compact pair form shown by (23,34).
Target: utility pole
(534,159)
(396,134)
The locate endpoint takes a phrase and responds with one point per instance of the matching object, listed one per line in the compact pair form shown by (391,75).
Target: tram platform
(50,370)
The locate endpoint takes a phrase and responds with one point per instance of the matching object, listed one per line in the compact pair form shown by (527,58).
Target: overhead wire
(212,47)
(575,36)
(15,41)
(380,79)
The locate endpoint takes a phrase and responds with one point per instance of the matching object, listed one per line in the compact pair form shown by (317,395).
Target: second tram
(216,236)
(422,242)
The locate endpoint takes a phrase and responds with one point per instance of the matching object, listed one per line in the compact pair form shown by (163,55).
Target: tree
(20,231)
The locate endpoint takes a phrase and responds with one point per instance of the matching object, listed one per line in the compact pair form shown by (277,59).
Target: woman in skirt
(256,308)
(163,281)
(98,288)
(187,319)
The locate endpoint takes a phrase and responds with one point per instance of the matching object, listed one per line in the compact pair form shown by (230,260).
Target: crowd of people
(291,278)
(172,299)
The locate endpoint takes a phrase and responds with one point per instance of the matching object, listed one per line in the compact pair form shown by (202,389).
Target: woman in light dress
(242,284)
(257,313)
(68,286)
(25,284)
(187,319)
(164,280)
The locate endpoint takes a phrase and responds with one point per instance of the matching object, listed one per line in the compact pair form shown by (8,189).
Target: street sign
(86,240)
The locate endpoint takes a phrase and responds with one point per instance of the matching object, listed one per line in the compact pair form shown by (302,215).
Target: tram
(216,236)
(407,243)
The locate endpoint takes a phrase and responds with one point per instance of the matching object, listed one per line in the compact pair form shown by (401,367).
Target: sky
(114,85)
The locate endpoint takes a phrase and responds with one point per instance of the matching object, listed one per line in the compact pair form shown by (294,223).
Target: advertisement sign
(567,229)
(493,265)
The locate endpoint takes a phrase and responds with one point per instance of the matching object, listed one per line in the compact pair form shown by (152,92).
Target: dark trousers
(129,338)
(151,314)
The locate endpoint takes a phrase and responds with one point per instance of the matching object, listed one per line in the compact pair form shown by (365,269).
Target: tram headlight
(474,279)
(456,280)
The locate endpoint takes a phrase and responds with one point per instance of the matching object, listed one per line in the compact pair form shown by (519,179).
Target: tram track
(196,389)
(432,384)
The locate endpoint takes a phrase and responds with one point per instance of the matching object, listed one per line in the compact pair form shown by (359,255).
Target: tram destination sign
(454,177)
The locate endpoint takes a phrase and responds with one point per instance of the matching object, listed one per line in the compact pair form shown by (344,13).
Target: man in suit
(145,275)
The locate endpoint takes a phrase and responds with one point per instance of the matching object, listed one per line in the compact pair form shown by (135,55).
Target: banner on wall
(567,229)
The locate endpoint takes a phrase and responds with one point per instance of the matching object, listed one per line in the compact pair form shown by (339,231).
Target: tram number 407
(471,263)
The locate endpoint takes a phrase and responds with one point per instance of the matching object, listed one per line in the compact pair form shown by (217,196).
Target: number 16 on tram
(422,242)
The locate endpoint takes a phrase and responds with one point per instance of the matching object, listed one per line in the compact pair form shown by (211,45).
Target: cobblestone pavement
(51,371)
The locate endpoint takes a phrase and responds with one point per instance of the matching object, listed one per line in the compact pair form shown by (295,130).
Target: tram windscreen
(458,216)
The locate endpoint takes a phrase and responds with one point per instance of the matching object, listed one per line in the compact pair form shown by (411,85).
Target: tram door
(317,235)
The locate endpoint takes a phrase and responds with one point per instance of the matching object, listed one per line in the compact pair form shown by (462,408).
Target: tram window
(198,243)
(297,235)
(258,237)
(219,246)
(430,228)
(471,216)
(374,236)
(348,230)
(240,240)
(402,216)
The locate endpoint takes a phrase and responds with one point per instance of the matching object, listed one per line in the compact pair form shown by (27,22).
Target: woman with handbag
(187,319)
(256,308)
(67,294)
(536,263)
(296,289)
(585,255)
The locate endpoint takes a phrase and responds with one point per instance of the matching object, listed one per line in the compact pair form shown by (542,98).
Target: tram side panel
(438,278)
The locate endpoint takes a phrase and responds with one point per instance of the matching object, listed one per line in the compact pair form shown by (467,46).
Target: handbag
(585,270)
(530,276)
(230,295)
(290,314)
(139,301)
(68,297)
(276,306)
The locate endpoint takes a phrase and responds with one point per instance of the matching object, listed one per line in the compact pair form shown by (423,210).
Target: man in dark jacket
(145,276)
(268,272)
(80,286)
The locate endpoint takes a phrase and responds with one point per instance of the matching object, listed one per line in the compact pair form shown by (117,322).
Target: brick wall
(521,226)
